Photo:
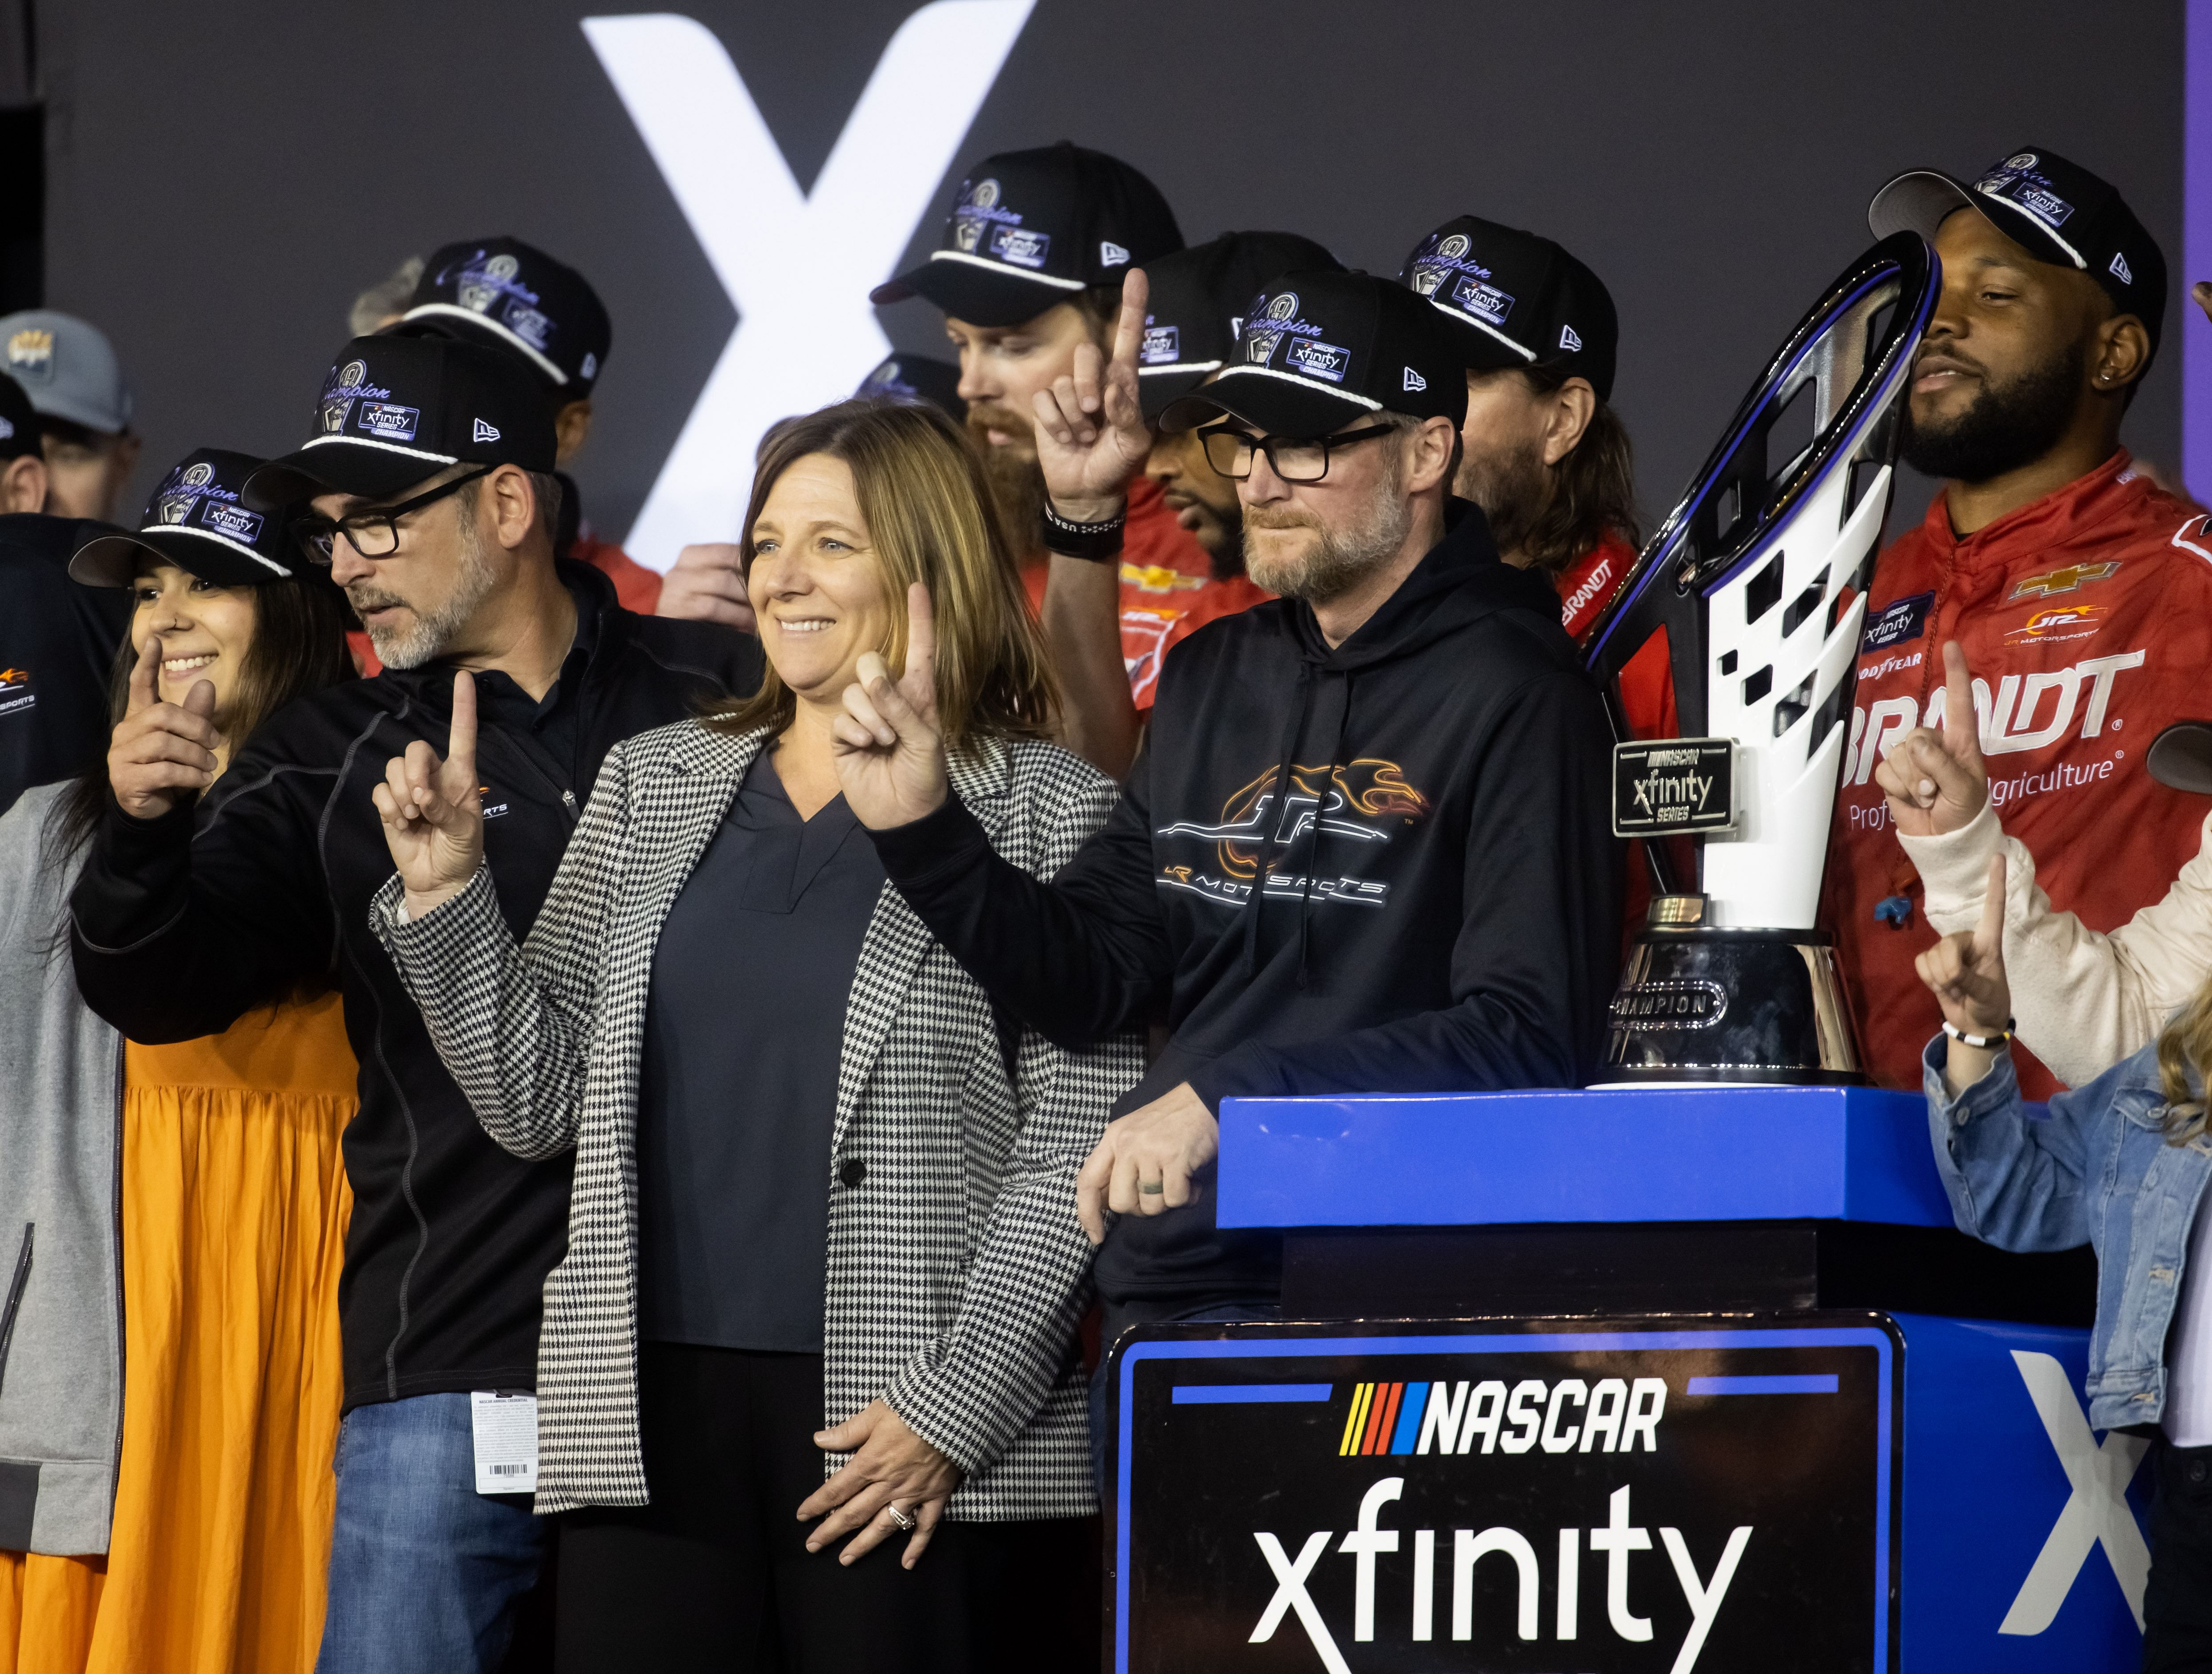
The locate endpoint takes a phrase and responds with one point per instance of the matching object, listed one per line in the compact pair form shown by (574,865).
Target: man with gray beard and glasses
(430,474)
(1367,845)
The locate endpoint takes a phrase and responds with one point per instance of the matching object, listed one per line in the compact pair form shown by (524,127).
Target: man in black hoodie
(1367,848)
(430,475)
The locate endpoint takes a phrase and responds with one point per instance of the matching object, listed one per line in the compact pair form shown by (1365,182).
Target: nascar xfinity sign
(1531,1497)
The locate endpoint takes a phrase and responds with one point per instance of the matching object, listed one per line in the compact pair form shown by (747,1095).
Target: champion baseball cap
(1322,348)
(2057,210)
(197,520)
(396,410)
(67,368)
(19,429)
(1517,300)
(918,378)
(1031,228)
(1198,297)
(515,296)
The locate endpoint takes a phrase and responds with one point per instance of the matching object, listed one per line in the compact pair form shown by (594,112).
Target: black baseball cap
(198,521)
(21,433)
(396,410)
(1031,228)
(1321,348)
(515,296)
(918,378)
(1198,299)
(2055,211)
(1516,299)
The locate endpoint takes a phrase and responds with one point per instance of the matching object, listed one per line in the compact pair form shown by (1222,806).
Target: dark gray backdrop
(223,180)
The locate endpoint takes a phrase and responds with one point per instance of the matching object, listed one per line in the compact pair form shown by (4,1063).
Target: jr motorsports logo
(805,333)
(1361,804)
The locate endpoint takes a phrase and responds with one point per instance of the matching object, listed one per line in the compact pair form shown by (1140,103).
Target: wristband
(1985,1042)
(1094,543)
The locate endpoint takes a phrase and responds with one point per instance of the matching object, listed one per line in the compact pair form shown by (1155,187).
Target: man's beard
(1016,479)
(1337,560)
(1511,486)
(411,645)
(2004,427)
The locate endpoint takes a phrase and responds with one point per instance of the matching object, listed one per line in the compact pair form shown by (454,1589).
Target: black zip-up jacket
(57,641)
(185,922)
(1441,904)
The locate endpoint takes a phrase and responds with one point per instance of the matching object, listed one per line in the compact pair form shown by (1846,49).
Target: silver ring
(907,1524)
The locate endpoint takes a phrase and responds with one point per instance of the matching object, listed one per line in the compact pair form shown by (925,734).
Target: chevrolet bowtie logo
(2064,580)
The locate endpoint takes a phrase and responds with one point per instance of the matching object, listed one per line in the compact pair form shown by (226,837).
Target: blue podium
(1655,1379)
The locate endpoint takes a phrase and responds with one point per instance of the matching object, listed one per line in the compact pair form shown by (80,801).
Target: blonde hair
(926,504)
(2185,1045)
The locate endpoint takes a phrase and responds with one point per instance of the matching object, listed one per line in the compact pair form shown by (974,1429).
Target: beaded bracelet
(1985,1042)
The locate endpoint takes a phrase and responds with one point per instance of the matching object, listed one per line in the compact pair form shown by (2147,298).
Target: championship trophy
(1759,578)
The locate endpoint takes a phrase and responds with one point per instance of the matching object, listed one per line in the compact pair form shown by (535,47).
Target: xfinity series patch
(1486,303)
(1895,623)
(1020,245)
(1162,345)
(387,421)
(1318,359)
(240,525)
(531,327)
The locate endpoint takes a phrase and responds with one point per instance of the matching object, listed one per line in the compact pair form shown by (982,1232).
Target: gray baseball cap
(67,367)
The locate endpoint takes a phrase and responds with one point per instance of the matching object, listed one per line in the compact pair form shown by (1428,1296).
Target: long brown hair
(299,646)
(927,507)
(1592,490)
(2185,1045)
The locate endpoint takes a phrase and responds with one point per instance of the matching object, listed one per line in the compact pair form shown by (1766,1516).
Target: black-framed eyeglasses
(1294,458)
(374,533)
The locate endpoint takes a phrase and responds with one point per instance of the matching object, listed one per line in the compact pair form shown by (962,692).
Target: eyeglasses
(374,534)
(1293,459)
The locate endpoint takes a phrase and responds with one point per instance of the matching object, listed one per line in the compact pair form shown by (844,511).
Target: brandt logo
(806,333)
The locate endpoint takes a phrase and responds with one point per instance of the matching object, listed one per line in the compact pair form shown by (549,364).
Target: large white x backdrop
(806,332)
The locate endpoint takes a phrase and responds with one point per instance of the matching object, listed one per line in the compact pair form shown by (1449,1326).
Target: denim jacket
(2095,1167)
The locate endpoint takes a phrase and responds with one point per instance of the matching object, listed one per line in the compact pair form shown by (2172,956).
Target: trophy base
(1729,1007)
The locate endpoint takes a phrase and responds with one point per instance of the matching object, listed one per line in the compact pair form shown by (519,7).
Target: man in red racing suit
(2080,593)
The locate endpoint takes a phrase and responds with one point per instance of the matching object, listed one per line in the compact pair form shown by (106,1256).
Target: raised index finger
(461,740)
(1961,726)
(143,693)
(1129,329)
(920,635)
(1990,939)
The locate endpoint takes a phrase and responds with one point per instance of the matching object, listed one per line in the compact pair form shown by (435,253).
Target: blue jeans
(425,1572)
(1221,1311)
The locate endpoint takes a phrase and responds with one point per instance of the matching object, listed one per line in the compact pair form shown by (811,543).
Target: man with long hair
(2080,592)
(1543,453)
(1029,272)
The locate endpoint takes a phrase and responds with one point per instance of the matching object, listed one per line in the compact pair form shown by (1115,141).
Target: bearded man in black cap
(515,297)
(1415,892)
(1028,273)
(1546,456)
(431,471)
(2080,592)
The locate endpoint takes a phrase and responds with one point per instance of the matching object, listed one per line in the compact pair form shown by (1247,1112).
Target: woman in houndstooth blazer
(680,1423)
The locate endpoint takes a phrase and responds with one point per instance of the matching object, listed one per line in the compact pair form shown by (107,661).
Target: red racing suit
(1647,696)
(2086,618)
(1169,589)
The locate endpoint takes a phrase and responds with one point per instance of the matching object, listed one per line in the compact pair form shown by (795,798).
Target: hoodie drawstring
(1320,807)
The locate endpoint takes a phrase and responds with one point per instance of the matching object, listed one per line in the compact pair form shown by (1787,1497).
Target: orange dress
(234,1209)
